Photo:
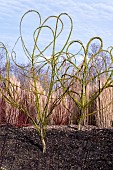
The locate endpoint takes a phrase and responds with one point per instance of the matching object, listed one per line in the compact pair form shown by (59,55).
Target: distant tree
(100,62)
(2,62)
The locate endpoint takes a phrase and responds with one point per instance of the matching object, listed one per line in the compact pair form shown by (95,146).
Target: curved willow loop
(99,50)
(88,44)
(23,44)
(46,26)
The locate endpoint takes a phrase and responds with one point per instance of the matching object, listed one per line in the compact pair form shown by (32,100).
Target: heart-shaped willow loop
(26,51)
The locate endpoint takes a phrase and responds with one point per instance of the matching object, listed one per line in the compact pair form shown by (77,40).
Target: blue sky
(90,18)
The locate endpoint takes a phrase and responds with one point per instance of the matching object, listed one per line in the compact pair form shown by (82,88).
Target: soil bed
(67,148)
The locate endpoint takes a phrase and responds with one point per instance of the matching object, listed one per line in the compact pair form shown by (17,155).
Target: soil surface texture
(67,148)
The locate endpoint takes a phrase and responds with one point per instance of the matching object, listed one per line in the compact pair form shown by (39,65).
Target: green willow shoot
(83,77)
(42,114)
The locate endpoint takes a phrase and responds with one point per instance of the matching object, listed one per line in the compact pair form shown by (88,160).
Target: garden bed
(67,148)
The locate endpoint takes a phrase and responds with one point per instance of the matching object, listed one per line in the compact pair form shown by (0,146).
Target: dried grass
(64,113)
(104,117)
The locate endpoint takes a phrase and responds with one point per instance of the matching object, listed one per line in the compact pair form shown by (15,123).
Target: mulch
(67,148)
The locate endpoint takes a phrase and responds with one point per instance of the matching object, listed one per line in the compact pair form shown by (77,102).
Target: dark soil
(67,149)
